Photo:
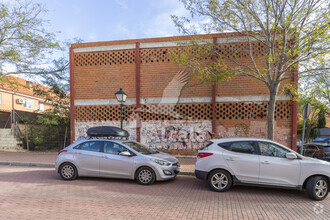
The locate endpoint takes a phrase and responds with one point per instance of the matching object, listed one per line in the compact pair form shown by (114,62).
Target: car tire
(145,176)
(317,188)
(68,171)
(219,180)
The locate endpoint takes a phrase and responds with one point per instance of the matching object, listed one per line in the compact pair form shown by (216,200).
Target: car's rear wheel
(317,188)
(68,171)
(145,176)
(220,180)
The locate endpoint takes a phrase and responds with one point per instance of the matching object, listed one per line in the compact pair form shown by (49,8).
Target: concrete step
(9,142)
(5,131)
(10,147)
(13,150)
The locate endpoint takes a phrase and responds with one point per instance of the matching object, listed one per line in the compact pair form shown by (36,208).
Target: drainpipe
(214,94)
(72,107)
(138,90)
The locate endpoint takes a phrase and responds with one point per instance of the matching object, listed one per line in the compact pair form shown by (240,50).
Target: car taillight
(61,151)
(201,155)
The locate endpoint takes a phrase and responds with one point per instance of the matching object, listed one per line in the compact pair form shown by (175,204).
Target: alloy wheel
(145,176)
(321,188)
(219,181)
(67,171)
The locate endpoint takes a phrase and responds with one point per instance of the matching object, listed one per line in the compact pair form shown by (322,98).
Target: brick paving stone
(39,193)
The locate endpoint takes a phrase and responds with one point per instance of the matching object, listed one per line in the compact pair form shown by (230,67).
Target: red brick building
(163,110)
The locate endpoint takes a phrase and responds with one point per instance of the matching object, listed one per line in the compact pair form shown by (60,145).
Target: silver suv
(233,161)
(117,159)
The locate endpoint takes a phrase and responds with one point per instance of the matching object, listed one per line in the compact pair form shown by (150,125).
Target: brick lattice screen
(201,111)
(160,55)
(104,58)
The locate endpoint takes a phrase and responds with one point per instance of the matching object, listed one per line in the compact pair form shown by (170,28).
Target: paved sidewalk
(40,193)
(47,159)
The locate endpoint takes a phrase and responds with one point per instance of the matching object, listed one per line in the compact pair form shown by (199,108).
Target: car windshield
(142,149)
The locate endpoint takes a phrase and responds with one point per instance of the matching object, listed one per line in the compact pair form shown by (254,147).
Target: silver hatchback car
(115,159)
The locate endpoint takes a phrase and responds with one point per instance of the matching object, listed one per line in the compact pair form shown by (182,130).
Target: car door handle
(265,162)
(230,159)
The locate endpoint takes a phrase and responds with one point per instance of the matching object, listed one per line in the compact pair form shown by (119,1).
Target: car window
(142,149)
(113,148)
(225,145)
(243,147)
(90,146)
(273,150)
(207,144)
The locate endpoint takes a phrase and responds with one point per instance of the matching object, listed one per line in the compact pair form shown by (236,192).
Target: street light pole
(121,97)
(121,115)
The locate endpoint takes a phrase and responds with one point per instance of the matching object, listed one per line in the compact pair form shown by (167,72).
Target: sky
(106,20)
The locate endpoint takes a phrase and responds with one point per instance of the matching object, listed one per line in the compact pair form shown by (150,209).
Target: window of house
(28,104)
(41,107)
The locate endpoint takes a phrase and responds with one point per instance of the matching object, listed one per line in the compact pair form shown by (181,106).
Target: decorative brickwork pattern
(154,55)
(159,55)
(104,58)
(102,112)
(239,50)
(251,110)
(200,111)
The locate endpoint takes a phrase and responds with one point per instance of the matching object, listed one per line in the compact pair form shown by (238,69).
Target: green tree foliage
(321,122)
(197,59)
(291,32)
(25,45)
(48,131)
(316,118)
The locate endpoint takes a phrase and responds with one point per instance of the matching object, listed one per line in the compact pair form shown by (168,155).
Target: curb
(49,165)
(27,164)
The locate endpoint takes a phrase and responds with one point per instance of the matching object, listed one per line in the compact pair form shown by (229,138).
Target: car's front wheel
(317,188)
(220,180)
(68,171)
(145,176)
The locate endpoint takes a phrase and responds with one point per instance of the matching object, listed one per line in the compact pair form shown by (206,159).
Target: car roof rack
(107,132)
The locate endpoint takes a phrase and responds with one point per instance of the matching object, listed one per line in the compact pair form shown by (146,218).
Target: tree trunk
(271,113)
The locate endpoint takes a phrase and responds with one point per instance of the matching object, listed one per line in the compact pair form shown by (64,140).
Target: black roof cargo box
(107,131)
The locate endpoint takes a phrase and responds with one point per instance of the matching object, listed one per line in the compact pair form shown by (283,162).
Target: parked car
(326,153)
(316,150)
(233,161)
(117,159)
(312,150)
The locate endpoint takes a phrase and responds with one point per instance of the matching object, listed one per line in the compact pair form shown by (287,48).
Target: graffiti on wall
(185,136)
(257,129)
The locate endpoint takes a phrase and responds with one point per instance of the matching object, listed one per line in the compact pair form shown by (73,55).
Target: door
(275,168)
(87,158)
(243,160)
(114,165)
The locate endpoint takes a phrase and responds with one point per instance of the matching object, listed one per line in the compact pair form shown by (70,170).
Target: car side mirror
(125,153)
(291,156)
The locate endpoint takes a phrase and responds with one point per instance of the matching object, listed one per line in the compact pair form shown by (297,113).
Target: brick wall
(169,120)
